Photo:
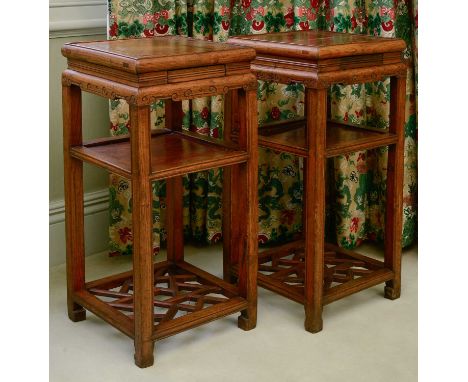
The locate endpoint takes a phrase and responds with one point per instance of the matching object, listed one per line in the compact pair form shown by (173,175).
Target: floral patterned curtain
(356,182)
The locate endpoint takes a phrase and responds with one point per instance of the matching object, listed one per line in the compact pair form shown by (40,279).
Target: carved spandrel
(137,97)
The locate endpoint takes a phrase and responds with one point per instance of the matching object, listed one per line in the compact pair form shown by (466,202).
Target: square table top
(145,55)
(318,45)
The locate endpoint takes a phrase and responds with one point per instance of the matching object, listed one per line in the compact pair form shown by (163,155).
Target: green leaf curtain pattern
(356,182)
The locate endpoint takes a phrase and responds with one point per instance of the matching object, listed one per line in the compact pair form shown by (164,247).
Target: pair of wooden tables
(156,300)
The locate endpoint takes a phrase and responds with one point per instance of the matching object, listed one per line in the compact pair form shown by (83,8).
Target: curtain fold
(356,182)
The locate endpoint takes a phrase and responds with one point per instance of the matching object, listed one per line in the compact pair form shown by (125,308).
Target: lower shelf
(281,270)
(184,297)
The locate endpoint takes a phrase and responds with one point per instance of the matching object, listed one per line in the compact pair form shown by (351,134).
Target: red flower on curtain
(258,25)
(162,29)
(204,113)
(304,25)
(275,113)
(246,3)
(311,15)
(224,11)
(389,14)
(354,224)
(289,18)
(125,234)
(216,237)
(262,239)
(387,26)
(113,30)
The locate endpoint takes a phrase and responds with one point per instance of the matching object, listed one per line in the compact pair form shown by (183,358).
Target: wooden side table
(310,271)
(156,300)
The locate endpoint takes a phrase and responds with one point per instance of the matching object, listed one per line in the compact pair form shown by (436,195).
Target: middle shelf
(289,136)
(173,153)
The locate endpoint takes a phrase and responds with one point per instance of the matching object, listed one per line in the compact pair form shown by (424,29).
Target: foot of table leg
(144,356)
(392,290)
(313,323)
(247,321)
(76,313)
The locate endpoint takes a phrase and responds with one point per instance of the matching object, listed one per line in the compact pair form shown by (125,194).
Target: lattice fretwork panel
(176,292)
(287,267)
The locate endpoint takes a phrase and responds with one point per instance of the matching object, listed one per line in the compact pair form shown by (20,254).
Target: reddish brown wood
(314,47)
(172,154)
(146,95)
(195,137)
(142,227)
(174,191)
(120,138)
(174,218)
(314,206)
(248,173)
(228,289)
(345,272)
(395,174)
(145,303)
(319,59)
(231,233)
(150,55)
(356,285)
(341,138)
(113,281)
(74,215)
(183,297)
(199,317)
(106,312)
(173,115)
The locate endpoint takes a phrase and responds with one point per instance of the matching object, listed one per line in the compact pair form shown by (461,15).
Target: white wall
(75,21)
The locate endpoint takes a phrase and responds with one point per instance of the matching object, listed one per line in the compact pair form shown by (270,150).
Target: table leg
(231,223)
(175,219)
(74,214)
(394,201)
(174,192)
(314,207)
(245,191)
(142,220)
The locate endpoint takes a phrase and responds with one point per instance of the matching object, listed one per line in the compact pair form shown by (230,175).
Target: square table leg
(142,221)
(314,207)
(247,204)
(74,213)
(395,173)
(174,192)
(231,226)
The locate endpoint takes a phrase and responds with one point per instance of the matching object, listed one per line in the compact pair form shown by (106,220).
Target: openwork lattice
(282,269)
(177,292)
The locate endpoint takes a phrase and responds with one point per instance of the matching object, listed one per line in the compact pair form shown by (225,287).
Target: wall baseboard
(77,18)
(96,206)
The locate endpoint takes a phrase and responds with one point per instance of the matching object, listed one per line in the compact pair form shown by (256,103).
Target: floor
(366,338)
